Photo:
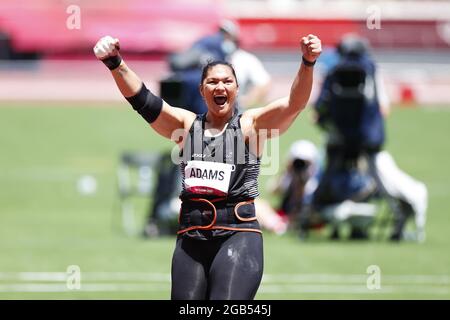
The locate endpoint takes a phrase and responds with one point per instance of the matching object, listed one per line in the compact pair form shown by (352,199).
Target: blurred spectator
(186,66)
(351,109)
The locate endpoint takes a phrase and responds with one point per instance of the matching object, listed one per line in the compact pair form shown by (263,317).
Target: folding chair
(135,176)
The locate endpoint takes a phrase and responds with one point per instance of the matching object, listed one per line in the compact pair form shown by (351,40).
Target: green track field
(46,225)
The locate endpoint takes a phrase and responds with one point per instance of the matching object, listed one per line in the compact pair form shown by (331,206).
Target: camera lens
(299,164)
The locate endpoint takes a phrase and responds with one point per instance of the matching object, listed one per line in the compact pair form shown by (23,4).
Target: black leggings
(227,268)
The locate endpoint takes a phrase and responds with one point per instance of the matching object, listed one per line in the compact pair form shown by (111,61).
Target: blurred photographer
(181,87)
(299,180)
(351,109)
(296,184)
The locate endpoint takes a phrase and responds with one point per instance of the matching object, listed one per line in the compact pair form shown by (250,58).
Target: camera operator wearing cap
(351,109)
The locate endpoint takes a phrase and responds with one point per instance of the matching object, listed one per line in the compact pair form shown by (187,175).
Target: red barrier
(47,26)
(284,33)
(170,25)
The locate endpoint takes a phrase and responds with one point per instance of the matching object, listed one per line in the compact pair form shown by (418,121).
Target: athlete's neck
(218,123)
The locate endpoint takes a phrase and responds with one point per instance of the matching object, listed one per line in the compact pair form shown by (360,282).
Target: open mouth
(220,99)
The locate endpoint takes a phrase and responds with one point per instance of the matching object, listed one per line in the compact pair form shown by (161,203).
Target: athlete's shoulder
(247,121)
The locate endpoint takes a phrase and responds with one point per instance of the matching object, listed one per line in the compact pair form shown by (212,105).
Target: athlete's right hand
(106,47)
(107,50)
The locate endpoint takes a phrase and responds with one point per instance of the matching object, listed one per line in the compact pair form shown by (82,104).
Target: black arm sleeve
(146,104)
(113,62)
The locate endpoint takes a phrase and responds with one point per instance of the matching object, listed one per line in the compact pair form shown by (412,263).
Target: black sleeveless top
(208,163)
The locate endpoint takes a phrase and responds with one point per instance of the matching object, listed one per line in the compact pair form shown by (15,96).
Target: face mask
(228,47)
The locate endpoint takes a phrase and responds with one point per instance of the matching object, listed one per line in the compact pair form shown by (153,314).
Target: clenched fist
(311,48)
(107,50)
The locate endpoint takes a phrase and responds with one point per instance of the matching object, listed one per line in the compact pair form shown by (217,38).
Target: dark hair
(214,63)
(353,46)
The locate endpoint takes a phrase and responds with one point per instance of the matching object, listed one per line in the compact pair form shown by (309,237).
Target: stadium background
(63,122)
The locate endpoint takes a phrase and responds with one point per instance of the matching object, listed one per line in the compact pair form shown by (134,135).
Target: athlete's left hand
(311,47)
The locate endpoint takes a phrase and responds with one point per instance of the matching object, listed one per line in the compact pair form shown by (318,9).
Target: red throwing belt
(203,214)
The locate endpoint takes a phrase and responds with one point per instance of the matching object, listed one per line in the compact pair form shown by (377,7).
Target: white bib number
(204,177)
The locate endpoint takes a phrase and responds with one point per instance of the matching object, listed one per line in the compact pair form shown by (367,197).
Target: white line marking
(265,289)
(95,287)
(25,282)
(355,289)
(356,278)
(89,276)
(267,278)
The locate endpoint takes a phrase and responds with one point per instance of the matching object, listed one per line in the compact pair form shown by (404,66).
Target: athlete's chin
(222,109)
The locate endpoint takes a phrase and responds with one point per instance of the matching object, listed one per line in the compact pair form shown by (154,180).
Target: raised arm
(163,118)
(281,113)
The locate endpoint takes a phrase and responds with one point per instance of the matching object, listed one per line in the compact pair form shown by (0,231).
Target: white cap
(230,27)
(305,150)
